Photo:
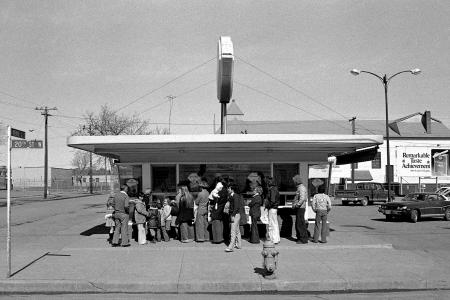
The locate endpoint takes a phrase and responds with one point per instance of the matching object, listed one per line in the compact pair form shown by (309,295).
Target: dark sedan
(417,205)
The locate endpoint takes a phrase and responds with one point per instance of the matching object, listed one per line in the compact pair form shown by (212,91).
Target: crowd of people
(217,216)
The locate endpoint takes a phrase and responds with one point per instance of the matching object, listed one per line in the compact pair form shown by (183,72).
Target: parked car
(365,193)
(417,205)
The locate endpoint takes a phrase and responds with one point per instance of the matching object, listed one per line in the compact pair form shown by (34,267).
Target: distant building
(420,159)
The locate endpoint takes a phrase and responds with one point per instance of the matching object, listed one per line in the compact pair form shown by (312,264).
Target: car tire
(365,201)
(447,214)
(414,216)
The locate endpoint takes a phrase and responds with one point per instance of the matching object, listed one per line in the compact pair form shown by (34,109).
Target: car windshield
(415,197)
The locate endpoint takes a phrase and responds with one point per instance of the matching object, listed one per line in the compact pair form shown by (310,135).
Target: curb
(207,287)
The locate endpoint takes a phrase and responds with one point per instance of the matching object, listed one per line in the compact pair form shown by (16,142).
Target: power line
(287,103)
(17,120)
(177,96)
(167,83)
(17,98)
(291,87)
(16,105)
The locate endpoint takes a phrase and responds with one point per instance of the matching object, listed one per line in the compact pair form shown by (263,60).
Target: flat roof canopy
(222,147)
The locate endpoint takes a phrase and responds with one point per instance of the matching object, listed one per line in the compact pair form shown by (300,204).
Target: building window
(283,174)
(131,175)
(164,179)
(237,172)
(376,162)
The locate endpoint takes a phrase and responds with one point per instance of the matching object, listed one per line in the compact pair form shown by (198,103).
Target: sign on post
(18,133)
(26,144)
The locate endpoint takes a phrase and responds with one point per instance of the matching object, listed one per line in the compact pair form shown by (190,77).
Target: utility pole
(46,115)
(91,190)
(170,97)
(353,164)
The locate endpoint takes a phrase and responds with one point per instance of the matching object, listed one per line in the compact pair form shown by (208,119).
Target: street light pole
(385,80)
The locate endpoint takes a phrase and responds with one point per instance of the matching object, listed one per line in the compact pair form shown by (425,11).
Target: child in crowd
(166,219)
(109,216)
(154,222)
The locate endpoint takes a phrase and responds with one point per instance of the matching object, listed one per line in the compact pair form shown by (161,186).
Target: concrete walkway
(348,262)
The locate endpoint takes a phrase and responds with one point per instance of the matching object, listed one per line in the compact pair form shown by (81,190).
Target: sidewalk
(349,262)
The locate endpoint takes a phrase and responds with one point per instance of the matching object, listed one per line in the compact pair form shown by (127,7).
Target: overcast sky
(79,55)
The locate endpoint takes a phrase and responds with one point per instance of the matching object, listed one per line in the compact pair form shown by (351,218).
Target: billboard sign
(422,161)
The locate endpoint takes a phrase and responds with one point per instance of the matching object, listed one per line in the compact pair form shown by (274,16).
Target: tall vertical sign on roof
(225,61)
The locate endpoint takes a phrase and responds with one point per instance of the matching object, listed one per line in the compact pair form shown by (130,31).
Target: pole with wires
(45,113)
(170,97)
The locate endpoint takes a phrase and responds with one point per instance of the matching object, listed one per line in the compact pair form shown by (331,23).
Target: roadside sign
(26,144)
(18,133)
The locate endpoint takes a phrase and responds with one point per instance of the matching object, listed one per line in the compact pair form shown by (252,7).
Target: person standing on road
(140,216)
(217,204)
(236,202)
(121,217)
(186,215)
(255,213)
(201,220)
(299,205)
(321,205)
(109,216)
(273,200)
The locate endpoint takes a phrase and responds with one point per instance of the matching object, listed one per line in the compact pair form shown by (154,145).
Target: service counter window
(131,175)
(283,174)
(164,179)
(238,172)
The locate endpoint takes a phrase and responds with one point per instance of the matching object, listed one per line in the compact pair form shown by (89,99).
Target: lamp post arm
(378,76)
(406,71)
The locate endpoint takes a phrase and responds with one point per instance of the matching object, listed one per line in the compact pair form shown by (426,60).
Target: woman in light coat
(140,216)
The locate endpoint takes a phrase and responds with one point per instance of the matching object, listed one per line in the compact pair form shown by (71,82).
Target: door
(435,203)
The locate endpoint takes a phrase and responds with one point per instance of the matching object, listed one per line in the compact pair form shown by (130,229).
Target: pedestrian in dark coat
(217,204)
(236,202)
(255,214)
(186,215)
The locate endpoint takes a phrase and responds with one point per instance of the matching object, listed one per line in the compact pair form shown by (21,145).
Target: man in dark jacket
(236,203)
(121,217)
(273,200)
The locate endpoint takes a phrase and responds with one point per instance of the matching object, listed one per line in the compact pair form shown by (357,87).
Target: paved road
(427,234)
(38,219)
(48,233)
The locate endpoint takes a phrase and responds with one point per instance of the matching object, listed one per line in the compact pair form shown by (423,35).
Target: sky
(292,62)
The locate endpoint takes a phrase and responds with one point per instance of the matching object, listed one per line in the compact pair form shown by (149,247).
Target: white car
(444,191)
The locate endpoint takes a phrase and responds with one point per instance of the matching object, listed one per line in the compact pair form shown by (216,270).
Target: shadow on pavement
(98,229)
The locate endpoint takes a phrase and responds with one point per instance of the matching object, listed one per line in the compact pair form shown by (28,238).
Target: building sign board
(422,161)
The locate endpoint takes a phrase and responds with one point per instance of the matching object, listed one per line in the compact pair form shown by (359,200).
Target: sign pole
(8,206)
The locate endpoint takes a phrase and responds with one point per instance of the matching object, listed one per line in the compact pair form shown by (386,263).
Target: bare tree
(109,122)
(80,161)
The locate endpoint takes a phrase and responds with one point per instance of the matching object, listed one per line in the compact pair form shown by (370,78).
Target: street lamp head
(416,71)
(355,72)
